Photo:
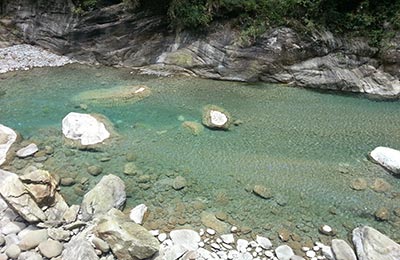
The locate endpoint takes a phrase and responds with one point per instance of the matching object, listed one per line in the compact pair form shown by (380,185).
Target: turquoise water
(305,146)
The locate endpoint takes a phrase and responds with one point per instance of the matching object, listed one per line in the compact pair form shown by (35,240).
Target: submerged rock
(215,117)
(262,191)
(85,128)
(127,239)
(370,244)
(388,158)
(108,193)
(7,138)
(194,127)
(342,250)
(115,96)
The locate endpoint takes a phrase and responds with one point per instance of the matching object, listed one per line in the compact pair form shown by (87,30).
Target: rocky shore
(25,56)
(37,223)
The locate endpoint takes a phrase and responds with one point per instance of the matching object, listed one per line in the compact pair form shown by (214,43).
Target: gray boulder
(370,244)
(19,198)
(342,250)
(108,193)
(127,239)
(79,249)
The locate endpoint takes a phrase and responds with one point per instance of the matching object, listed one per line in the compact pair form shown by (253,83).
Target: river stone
(32,239)
(380,185)
(84,128)
(215,117)
(194,127)
(30,255)
(7,138)
(209,220)
(13,251)
(387,157)
(127,239)
(50,248)
(79,249)
(262,191)
(18,197)
(27,151)
(342,250)
(108,193)
(94,170)
(186,238)
(359,184)
(264,242)
(284,252)
(137,213)
(382,214)
(130,168)
(101,244)
(41,185)
(179,183)
(67,181)
(370,244)
(58,234)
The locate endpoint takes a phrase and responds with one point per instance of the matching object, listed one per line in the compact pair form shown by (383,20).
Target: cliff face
(112,36)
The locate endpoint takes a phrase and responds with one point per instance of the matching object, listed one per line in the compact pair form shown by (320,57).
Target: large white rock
(342,250)
(137,213)
(387,157)
(7,138)
(186,238)
(370,244)
(85,128)
(284,252)
(27,150)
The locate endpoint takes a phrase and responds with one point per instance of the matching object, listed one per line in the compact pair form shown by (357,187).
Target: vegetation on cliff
(373,18)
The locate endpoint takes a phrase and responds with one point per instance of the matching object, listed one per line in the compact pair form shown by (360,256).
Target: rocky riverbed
(25,56)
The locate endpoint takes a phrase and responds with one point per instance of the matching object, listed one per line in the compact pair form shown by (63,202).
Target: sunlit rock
(370,244)
(387,157)
(85,128)
(7,138)
(137,213)
(215,117)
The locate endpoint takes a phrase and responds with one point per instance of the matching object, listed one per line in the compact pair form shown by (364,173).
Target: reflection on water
(305,147)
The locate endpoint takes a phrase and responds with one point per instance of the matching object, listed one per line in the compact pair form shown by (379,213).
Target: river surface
(306,147)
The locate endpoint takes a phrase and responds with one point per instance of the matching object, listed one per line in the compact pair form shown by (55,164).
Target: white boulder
(284,252)
(85,128)
(387,157)
(27,150)
(7,138)
(186,238)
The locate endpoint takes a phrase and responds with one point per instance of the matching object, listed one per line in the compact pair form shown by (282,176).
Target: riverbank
(25,56)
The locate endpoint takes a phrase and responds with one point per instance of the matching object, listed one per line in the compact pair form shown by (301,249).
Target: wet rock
(179,183)
(79,249)
(50,248)
(215,117)
(284,234)
(370,244)
(342,250)
(108,193)
(262,191)
(85,128)
(94,170)
(327,230)
(194,127)
(32,239)
(127,240)
(380,185)
(67,181)
(387,157)
(185,238)
(13,251)
(41,185)
(130,157)
(209,220)
(382,214)
(137,213)
(359,184)
(17,196)
(131,169)
(27,151)
(284,252)
(7,138)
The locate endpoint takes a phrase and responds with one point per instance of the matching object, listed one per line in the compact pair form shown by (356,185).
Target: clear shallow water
(305,146)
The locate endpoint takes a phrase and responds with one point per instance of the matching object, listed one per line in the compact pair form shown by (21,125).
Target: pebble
(30,255)
(13,251)
(161,237)
(179,183)
(11,228)
(94,170)
(262,191)
(241,245)
(264,242)
(50,248)
(32,239)
(310,253)
(228,238)
(382,214)
(210,231)
(284,252)
(27,151)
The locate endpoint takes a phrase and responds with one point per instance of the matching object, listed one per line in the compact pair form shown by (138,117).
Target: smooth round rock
(179,183)
(13,251)
(32,239)
(262,191)
(30,255)
(382,214)
(100,244)
(27,151)
(50,248)
(284,252)
(94,170)
(359,184)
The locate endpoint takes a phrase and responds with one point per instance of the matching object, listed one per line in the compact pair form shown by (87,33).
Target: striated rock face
(370,244)
(113,36)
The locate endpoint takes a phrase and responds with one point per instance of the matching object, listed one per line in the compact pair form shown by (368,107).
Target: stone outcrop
(387,157)
(370,244)
(84,128)
(7,138)
(113,36)
(107,194)
(127,239)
